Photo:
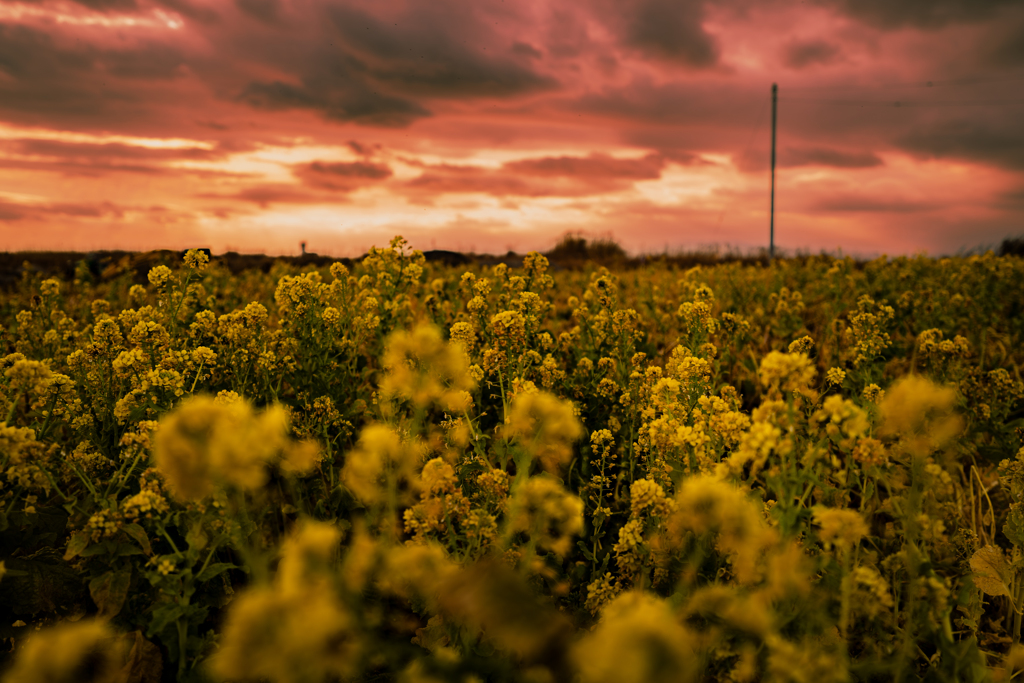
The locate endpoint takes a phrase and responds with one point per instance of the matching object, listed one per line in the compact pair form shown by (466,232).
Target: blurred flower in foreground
(549,513)
(82,652)
(545,426)
(205,443)
(423,369)
(639,640)
(379,458)
(921,413)
(296,629)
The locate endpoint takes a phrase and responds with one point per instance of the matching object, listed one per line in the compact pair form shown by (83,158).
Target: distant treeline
(573,251)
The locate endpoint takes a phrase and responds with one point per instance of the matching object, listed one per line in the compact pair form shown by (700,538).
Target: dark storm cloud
(671,30)
(362,70)
(341,176)
(969,139)
(426,53)
(267,11)
(802,54)
(375,72)
(339,101)
(75,86)
(823,156)
(1006,47)
(675,103)
(926,14)
(526,50)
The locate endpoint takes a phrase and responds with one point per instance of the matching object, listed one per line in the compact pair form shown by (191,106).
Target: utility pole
(771,219)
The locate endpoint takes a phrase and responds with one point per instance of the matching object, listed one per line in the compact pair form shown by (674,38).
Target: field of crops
(394,470)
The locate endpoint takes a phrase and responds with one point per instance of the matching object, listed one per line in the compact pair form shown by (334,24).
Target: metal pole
(771,223)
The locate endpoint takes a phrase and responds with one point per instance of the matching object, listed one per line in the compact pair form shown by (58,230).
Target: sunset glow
(254,125)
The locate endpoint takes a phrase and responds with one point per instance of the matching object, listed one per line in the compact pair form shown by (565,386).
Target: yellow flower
(29,376)
(639,640)
(549,513)
(835,376)
(160,276)
(284,637)
(786,371)
(49,288)
(843,417)
(206,443)
(802,345)
(415,570)
(808,662)
(647,496)
(81,652)
(546,426)
(709,504)
(423,369)
(197,259)
(921,413)
(304,553)
(464,334)
(600,592)
(380,453)
(873,393)
(840,527)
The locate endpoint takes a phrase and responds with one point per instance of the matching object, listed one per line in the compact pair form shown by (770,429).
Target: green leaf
(586,551)
(1014,526)
(196,537)
(110,590)
(98,549)
(126,549)
(991,573)
(139,534)
(79,541)
(215,569)
(162,616)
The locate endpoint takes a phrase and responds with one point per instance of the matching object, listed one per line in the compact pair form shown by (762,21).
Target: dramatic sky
(490,125)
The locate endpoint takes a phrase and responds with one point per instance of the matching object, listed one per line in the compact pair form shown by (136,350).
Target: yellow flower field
(397,470)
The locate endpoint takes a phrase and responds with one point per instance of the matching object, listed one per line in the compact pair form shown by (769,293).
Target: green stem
(85,480)
(182,647)
(122,479)
(1017,598)
(209,556)
(196,380)
(847,591)
(163,532)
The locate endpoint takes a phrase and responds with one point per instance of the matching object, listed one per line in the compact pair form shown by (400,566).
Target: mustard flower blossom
(205,443)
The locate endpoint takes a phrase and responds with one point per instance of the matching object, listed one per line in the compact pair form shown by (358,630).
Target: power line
(771,243)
